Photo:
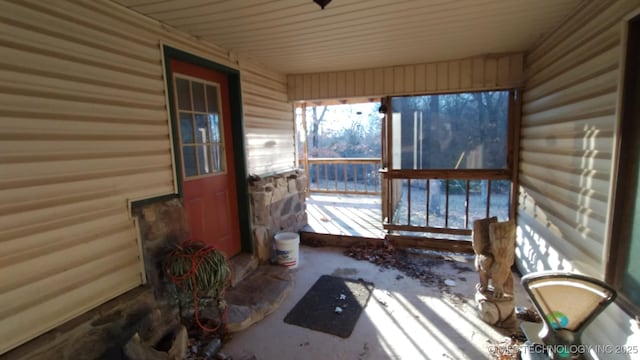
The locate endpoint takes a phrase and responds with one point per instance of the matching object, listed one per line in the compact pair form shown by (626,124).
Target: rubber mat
(332,305)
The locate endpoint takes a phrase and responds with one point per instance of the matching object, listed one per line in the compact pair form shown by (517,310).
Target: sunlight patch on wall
(537,248)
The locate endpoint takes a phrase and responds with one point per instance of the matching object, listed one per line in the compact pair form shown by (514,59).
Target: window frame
(193,112)
(514,101)
(625,179)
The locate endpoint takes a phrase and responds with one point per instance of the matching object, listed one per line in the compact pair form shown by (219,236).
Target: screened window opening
(450,131)
(201,136)
(450,162)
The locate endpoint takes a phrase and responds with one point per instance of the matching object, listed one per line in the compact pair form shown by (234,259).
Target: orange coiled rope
(186,264)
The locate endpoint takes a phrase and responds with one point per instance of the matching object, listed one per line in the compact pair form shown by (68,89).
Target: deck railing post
(305,150)
(466,205)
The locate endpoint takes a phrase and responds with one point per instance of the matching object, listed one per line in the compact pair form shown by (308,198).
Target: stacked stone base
(277,205)
(105,332)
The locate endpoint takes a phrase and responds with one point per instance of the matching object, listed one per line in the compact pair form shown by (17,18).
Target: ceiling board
(296,36)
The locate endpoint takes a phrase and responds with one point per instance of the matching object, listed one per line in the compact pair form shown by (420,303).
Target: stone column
(277,204)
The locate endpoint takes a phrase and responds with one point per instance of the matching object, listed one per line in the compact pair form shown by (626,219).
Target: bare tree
(315,125)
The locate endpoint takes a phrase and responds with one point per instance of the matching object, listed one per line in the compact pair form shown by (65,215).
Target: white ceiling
(296,36)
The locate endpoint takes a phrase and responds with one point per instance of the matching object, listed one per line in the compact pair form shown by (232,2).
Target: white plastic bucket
(287,248)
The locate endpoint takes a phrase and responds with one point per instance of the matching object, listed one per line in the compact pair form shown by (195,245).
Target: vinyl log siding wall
(474,74)
(83,130)
(569,122)
(269,121)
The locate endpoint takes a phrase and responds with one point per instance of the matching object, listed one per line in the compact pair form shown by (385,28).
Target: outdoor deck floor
(350,215)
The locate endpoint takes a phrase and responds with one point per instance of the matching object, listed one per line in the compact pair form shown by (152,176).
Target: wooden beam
(435,230)
(319,240)
(401,241)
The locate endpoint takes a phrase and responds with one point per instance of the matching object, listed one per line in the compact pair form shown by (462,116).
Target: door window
(200,129)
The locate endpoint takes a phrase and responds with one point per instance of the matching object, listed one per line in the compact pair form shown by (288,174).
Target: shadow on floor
(405,319)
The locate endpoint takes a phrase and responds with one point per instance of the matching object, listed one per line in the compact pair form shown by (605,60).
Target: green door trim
(237,129)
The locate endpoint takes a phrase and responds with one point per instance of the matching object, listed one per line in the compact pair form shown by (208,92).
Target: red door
(206,151)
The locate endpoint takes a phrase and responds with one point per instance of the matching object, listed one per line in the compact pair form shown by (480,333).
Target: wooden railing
(444,202)
(343,175)
(441,204)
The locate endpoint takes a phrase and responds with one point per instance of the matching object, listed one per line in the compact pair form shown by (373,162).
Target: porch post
(305,149)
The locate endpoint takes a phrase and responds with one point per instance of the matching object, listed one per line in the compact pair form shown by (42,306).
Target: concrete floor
(403,319)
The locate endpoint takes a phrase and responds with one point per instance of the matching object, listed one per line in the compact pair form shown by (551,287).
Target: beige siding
(84,130)
(567,143)
(473,74)
(268,121)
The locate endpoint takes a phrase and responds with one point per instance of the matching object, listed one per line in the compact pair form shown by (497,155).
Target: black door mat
(332,305)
